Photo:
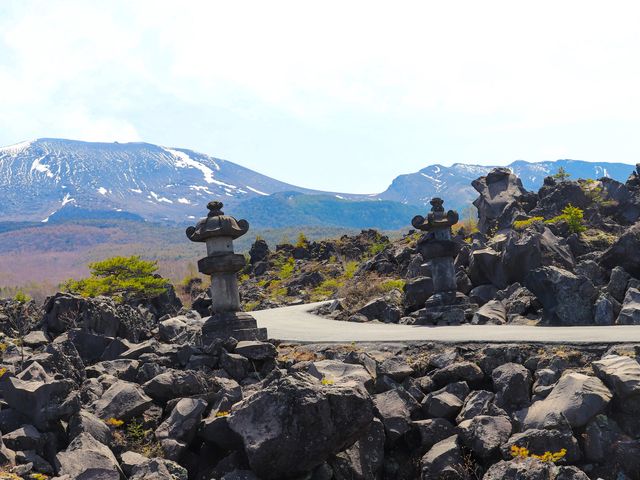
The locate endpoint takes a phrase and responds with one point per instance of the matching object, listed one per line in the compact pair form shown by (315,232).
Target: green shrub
(122,278)
(302,240)
(573,216)
(286,270)
(389,285)
(350,269)
(522,224)
(21,297)
(326,289)
(561,175)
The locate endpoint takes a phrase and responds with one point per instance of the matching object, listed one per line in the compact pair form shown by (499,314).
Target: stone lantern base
(446,308)
(239,325)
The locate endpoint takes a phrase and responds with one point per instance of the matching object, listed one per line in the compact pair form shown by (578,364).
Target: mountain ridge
(49,178)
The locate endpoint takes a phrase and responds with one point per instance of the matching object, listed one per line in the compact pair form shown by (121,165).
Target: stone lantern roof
(436,219)
(217,224)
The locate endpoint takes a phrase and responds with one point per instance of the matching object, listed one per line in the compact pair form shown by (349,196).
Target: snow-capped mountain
(454,183)
(53,179)
(47,176)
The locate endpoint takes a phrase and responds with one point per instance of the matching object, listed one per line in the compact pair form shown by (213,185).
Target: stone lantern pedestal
(446,306)
(218,231)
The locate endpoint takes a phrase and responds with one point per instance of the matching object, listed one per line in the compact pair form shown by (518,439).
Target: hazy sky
(331,95)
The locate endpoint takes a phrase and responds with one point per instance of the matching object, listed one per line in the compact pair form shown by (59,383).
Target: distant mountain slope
(454,183)
(39,178)
(287,209)
(55,180)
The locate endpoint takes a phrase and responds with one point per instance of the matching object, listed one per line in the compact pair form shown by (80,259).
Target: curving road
(296,323)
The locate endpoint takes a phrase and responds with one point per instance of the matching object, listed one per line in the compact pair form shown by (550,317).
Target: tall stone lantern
(446,306)
(218,231)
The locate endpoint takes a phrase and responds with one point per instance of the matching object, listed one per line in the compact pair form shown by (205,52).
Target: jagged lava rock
(295,423)
(575,399)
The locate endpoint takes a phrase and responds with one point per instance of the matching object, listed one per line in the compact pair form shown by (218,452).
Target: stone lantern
(218,231)
(446,306)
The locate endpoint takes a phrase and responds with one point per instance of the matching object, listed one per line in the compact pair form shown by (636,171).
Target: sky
(333,95)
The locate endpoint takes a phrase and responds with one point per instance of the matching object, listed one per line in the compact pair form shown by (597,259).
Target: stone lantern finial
(218,231)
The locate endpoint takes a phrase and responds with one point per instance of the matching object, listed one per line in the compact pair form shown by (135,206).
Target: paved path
(297,324)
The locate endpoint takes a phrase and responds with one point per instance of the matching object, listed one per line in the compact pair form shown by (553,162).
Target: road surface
(296,323)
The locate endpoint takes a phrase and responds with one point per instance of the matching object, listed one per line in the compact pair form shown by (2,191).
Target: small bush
(573,216)
(286,270)
(561,175)
(122,278)
(251,306)
(21,297)
(523,224)
(328,288)
(350,269)
(302,240)
(389,285)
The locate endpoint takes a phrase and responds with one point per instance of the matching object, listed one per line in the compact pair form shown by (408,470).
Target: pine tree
(123,278)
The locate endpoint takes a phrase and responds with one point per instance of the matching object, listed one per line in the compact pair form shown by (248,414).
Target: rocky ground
(526,262)
(96,390)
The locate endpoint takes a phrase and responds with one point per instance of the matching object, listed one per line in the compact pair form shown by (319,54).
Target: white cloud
(101,70)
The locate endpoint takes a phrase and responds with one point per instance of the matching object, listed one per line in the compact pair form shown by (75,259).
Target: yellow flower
(523,452)
(114,422)
(326,381)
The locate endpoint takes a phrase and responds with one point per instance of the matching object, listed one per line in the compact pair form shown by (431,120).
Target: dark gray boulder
(482,294)
(618,280)
(502,199)
(86,422)
(539,441)
(42,402)
(567,299)
(364,459)
(484,435)
(620,373)
(625,252)
(443,461)
(255,350)
(340,373)
(26,437)
(630,312)
(446,402)
(575,400)
(426,433)
(259,251)
(416,292)
(382,309)
(174,384)
(531,249)
(86,458)
(604,310)
(215,429)
(512,383)
(178,430)
(295,423)
(521,469)
(479,402)
(395,408)
(599,438)
(122,400)
(468,372)
(486,267)
(237,366)
(493,312)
